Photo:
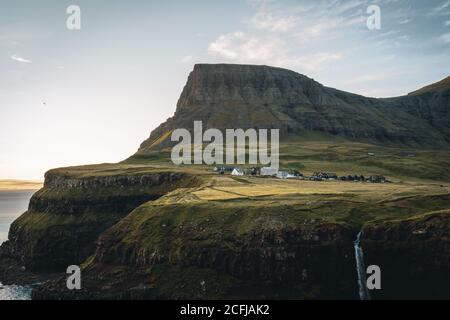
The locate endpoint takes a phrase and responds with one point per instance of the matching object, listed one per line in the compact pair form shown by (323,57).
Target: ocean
(12,205)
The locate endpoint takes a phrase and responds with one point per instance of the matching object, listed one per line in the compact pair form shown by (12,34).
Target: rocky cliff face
(211,251)
(246,96)
(198,250)
(65,218)
(413,254)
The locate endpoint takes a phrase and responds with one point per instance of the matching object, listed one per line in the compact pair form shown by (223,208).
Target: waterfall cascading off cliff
(360,269)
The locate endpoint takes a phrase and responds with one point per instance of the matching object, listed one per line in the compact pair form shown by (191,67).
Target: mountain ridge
(250,96)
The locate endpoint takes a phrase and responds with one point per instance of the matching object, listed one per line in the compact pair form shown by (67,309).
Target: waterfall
(361,269)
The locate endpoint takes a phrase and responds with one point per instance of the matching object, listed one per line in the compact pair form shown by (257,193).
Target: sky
(72,97)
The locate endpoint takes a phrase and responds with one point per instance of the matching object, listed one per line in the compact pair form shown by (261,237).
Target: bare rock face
(248,96)
(209,251)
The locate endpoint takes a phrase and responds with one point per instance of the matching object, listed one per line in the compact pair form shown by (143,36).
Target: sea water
(12,205)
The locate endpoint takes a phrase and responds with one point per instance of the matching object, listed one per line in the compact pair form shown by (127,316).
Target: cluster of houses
(321,176)
(260,171)
(294,174)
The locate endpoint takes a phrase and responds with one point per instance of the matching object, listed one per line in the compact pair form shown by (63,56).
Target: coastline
(9,185)
(13,197)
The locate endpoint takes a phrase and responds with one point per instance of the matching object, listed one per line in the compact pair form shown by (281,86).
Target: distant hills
(249,96)
(16,185)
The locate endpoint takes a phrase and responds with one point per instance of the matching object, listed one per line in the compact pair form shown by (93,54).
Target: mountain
(249,96)
(434,88)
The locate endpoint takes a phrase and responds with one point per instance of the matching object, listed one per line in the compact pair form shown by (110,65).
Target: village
(270,172)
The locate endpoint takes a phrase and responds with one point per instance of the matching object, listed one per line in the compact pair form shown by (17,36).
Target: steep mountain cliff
(248,96)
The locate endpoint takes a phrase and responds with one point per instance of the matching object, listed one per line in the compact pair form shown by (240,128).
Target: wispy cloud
(445,38)
(20,59)
(344,6)
(311,19)
(267,21)
(239,47)
(442,9)
(405,21)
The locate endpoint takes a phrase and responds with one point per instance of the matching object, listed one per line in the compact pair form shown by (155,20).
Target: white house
(237,172)
(282,174)
(286,175)
(269,171)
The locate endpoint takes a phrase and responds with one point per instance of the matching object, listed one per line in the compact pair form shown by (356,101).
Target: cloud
(341,7)
(267,21)
(20,59)
(321,26)
(447,23)
(239,47)
(405,21)
(445,38)
(309,20)
(442,9)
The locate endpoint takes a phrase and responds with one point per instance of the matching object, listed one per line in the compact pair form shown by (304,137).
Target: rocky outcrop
(246,96)
(65,218)
(246,251)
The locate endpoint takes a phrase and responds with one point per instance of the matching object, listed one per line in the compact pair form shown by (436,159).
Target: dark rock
(247,96)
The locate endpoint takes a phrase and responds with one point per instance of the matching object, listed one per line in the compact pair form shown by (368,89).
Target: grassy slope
(420,182)
(337,202)
(322,153)
(225,212)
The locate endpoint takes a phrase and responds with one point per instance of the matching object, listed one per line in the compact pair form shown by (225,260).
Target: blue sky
(92,95)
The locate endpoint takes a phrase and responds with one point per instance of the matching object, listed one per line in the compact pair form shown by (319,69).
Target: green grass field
(419,182)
